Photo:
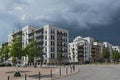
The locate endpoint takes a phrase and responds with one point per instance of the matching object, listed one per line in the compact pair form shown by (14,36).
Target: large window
(45,37)
(52,55)
(45,43)
(46,49)
(52,49)
(52,31)
(45,32)
(52,37)
(52,43)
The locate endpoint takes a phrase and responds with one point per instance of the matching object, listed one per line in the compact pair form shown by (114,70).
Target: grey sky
(81,17)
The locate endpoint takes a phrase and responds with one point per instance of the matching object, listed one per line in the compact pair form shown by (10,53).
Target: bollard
(66,70)
(51,74)
(25,76)
(71,69)
(39,75)
(60,71)
(75,67)
(8,78)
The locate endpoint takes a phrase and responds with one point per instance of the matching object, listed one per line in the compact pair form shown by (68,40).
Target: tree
(33,50)
(16,49)
(106,54)
(115,56)
(4,52)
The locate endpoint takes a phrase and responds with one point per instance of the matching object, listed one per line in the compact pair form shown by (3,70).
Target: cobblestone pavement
(96,72)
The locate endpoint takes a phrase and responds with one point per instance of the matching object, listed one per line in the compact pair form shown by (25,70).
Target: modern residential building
(80,49)
(108,46)
(90,43)
(54,41)
(116,48)
(97,49)
(13,35)
(25,34)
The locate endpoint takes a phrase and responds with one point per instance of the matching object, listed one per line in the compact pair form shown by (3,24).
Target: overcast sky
(96,18)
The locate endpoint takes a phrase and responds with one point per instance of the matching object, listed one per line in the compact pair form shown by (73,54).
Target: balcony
(40,34)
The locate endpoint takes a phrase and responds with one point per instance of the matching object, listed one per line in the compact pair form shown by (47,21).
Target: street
(96,72)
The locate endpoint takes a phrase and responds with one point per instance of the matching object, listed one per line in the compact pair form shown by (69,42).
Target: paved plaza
(87,72)
(96,72)
(58,72)
(30,71)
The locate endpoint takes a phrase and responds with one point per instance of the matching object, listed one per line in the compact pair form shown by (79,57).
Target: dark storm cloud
(81,17)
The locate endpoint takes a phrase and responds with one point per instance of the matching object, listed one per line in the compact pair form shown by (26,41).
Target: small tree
(4,52)
(105,55)
(115,56)
(34,49)
(16,49)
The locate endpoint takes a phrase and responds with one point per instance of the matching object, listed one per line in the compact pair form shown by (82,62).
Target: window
(45,49)
(52,55)
(45,43)
(52,37)
(45,37)
(45,32)
(52,43)
(52,49)
(52,31)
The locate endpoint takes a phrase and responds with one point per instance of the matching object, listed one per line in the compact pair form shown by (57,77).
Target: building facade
(97,50)
(13,35)
(54,41)
(116,48)
(80,50)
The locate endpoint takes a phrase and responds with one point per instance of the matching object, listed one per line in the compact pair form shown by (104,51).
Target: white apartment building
(55,41)
(80,49)
(90,42)
(14,35)
(108,46)
(25,34)
(116,48)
